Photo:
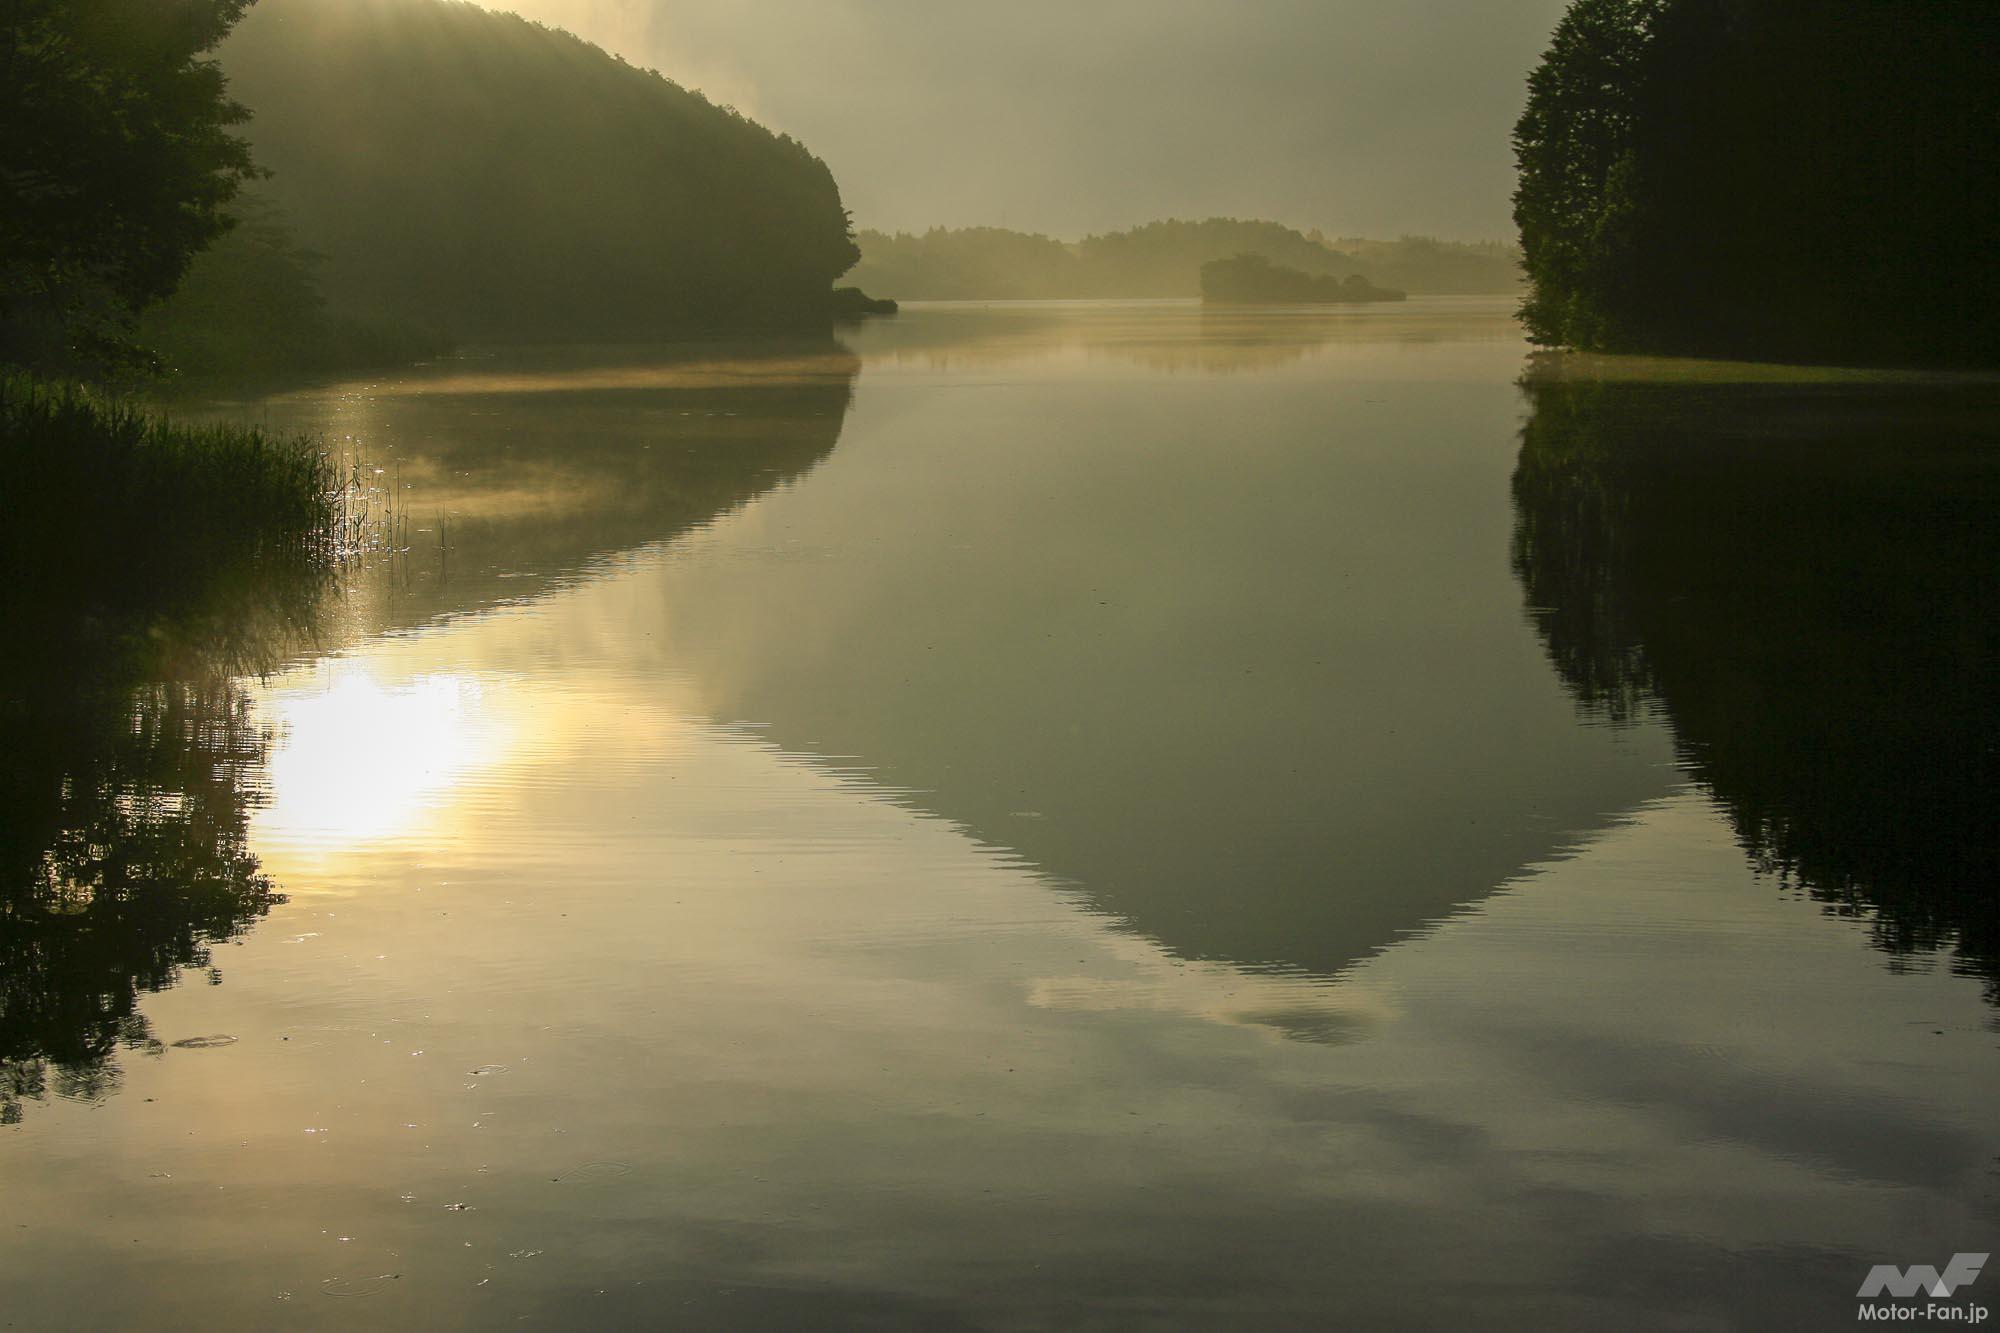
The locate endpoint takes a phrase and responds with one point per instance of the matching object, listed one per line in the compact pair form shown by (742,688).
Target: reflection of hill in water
(540,462)
(133,762)
(1802,581)
(1260,691)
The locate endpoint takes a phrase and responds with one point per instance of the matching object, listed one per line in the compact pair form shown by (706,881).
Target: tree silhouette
(1768,178)
(1798,581)
(123,859)
(115,165)
(474,173)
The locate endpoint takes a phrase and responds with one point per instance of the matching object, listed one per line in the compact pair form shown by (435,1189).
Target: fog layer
(1364,117)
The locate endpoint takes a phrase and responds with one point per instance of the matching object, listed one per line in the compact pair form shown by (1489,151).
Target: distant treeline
(1766,178)
(1249,279)
(1160,259)
(474,174)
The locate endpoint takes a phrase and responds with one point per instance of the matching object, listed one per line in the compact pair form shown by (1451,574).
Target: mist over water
(1022,811)
(869,664)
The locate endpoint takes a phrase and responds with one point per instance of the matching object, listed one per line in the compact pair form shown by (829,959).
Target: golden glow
(357,761)
(716,372)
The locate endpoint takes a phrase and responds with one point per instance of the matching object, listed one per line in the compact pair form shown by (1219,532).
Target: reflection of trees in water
(124,859)
(133,761)
(131,772)
(542,461)
(1800,580)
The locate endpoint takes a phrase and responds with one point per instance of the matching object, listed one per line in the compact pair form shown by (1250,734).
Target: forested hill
(490,178)
(1159,259)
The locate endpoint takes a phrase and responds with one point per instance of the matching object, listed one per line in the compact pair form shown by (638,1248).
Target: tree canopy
(253,301)
(116,165)
(1770,178)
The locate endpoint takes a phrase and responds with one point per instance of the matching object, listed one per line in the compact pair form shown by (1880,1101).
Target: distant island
(1255,280)
(1163,260)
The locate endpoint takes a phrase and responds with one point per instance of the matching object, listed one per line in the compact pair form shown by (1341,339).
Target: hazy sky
(1372,117)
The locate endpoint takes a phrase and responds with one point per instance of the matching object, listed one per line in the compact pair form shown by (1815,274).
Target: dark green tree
(116,161)
(1766,178)
(1574,144)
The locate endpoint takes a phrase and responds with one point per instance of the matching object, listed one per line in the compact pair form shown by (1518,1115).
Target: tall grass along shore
(110,507)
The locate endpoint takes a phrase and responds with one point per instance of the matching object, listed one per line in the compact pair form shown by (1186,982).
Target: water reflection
(1177,337)
(362,760)
(1800,580)
(1238,658)
(1282,770)
(612,1007)
(133,763)
(523,467)
(137,766)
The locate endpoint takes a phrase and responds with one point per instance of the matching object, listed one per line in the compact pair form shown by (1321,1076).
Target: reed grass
(105,500)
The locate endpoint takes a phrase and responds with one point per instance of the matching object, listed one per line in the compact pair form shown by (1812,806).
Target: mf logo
(1922,1279)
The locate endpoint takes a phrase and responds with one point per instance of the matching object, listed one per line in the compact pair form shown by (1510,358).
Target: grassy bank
(108,507)
(1568,366)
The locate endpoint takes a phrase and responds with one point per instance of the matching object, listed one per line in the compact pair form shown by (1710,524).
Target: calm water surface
(1086,816)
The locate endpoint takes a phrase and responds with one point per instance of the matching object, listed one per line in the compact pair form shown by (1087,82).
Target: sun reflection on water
(360,761)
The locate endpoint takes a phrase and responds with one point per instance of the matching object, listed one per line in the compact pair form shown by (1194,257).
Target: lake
(1034,816)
